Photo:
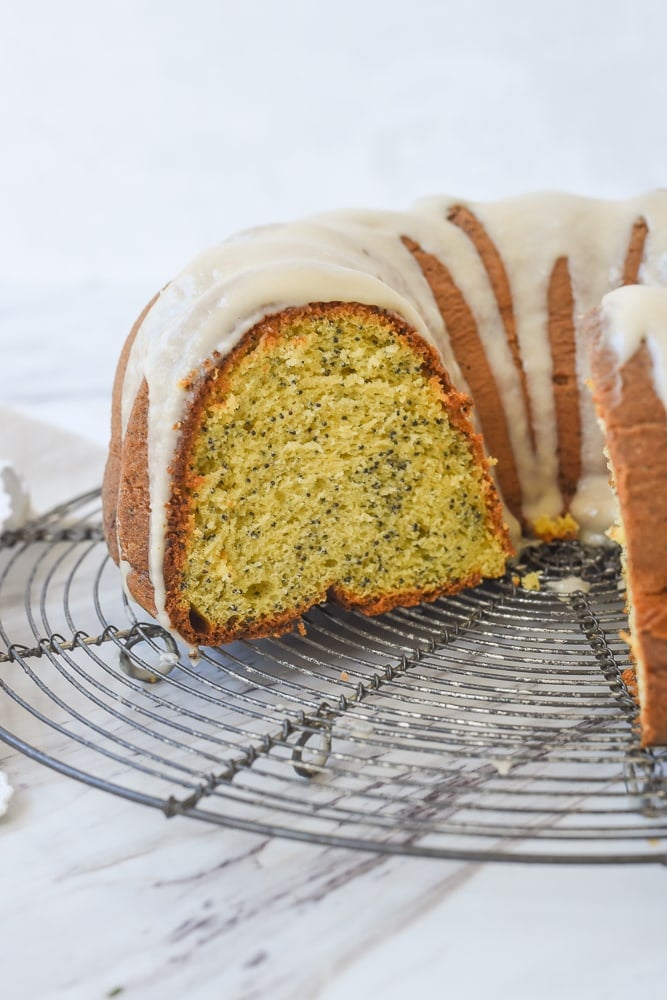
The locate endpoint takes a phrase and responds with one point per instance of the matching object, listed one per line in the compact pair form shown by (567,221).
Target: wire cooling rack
(492,725)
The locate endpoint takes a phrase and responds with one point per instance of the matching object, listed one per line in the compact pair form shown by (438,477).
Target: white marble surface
(135,135)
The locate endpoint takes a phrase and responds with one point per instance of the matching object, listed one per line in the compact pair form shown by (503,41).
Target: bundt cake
(292,416)
(629,368)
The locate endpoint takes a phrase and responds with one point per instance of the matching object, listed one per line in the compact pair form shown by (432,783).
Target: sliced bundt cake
(292,419)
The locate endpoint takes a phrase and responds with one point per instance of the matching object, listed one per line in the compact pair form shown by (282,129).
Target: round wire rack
(493,725)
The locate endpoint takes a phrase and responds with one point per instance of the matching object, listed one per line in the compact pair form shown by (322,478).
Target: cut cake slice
(327,457)
(629,381)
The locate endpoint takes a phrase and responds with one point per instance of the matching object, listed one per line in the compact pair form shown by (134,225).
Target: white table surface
(136,136)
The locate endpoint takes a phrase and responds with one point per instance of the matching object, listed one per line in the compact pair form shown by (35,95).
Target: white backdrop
(136,132)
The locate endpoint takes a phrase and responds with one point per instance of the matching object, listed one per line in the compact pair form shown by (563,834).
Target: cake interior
(328,457)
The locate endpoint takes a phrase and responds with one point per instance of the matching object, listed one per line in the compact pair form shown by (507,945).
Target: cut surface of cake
(292,418)
(629,381)
(355,477)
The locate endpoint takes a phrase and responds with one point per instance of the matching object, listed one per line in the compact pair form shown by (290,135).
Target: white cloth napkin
(41,466)
(54,464)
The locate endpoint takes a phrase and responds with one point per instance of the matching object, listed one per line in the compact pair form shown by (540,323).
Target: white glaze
(567,585)
(359,257)
(632,315)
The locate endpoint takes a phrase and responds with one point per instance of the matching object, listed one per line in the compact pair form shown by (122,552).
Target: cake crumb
(531,581)
(301,627)
(616,534)
(629,678)
(563,527)
(344,676)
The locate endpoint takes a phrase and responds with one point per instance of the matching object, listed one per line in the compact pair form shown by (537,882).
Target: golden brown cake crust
(112,472)
(133,510)
(215,373)
(564,377)
(636,435)
(635,253)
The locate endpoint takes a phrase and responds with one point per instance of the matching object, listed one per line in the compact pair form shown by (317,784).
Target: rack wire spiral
(493,725)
